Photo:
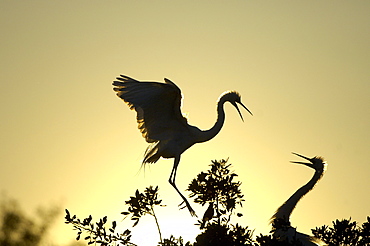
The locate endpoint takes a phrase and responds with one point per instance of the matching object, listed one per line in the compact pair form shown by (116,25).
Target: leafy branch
(97,232)
(142,204)
(217,188)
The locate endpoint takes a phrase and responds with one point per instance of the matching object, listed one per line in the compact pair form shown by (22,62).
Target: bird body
(161,122)
(208,215)
(281,219)
(172,147)
(290,234)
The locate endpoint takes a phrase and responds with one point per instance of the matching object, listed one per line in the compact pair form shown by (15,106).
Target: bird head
(234,97)
(316,162)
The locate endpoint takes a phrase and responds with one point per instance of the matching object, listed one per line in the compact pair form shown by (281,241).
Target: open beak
(304,163)
(236,106)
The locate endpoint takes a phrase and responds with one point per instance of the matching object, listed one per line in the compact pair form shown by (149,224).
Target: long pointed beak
(246,108)
(304,163)
(308,159)
(241,116)
(237,108)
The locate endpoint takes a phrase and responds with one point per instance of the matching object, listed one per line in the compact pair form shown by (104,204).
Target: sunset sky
(302,68)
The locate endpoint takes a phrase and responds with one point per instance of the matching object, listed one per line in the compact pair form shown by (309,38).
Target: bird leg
(172,182)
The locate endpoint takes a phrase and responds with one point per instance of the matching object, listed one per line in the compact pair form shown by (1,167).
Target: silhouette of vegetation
(271,240)
(96,231)
(142,204)
(139,205)
(19,229)
(217,190)
(172,241)
(345,232)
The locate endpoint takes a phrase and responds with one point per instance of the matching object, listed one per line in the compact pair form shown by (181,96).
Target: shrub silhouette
(217,190)
(345,232)
(142,204)
(19,229)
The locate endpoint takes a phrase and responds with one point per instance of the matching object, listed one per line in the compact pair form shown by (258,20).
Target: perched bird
(208,215)
(281,219)
(161,122)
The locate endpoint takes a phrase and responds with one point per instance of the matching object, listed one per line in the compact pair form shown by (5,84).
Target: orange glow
(301,68)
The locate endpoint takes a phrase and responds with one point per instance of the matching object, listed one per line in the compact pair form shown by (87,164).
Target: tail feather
(151,154)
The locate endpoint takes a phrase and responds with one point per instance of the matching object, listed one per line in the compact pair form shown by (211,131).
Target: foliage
(97,232)
(142,204)
(270,240)
(217,188)
(225,235)
(220,193)
(18,229)
(344,232)
(139,205)
(172,241)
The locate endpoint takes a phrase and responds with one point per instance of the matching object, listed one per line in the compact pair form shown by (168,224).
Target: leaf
(137,221)
(68,217)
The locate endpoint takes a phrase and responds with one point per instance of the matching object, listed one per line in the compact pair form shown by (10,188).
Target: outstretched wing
(157,106)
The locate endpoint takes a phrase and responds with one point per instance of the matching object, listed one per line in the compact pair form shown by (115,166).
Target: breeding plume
(281,219)
(161,122)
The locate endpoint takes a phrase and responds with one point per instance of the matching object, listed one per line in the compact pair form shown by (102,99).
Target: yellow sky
(302,68)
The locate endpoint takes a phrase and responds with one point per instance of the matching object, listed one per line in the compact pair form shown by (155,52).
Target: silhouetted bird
(162,123)
(208,215)
(281,219)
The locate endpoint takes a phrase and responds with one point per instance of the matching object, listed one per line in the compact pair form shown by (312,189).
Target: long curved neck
(285,210)
(211,133)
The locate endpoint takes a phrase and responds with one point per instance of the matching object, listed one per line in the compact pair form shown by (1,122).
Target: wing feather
(157,106)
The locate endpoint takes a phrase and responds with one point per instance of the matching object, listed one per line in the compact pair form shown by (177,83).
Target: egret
(208,215)
(161,122)
(281,219)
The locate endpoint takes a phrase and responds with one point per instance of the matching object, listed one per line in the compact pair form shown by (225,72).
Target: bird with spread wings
(161,122)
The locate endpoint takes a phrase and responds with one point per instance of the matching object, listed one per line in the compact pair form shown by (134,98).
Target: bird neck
(212,132)
(285,210)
